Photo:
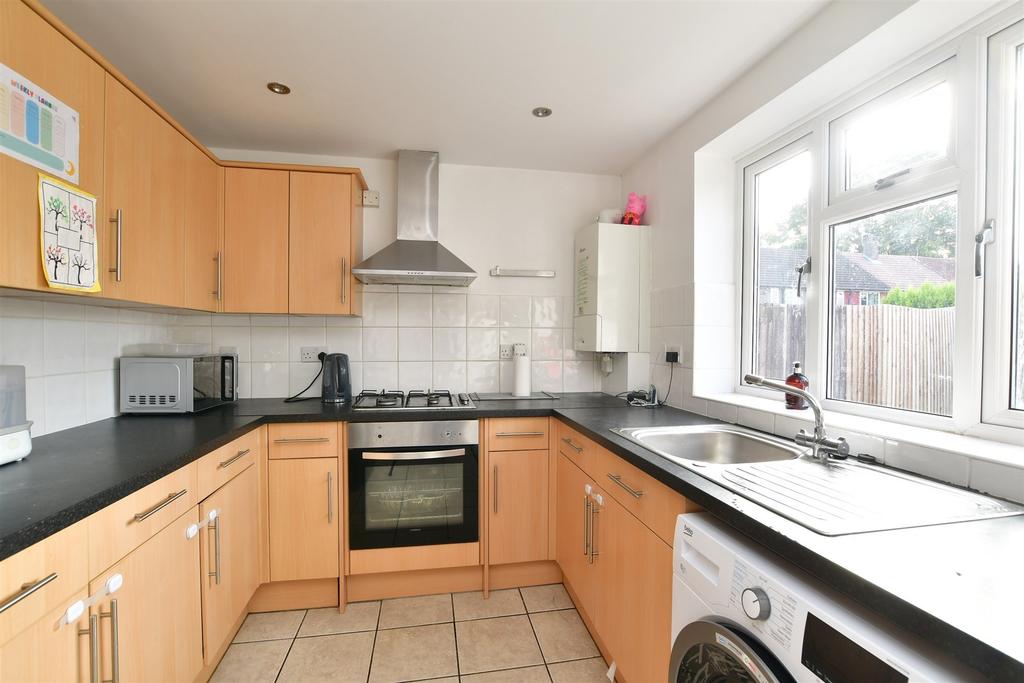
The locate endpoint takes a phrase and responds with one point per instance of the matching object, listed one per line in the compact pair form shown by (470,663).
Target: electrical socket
(671,356)
(505,351)
(308,354)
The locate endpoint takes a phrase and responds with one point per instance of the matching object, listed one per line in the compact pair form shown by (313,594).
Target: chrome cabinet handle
(27,589)
(330,497)
(594,512)
(118,219)
(230,460)
(344,279)
(115,654)
(146,514)
(617,478)
(218,291)
(416,455)
(94,647)
(495,489)
(568,442)
(215,524)
(505,434)
(586,524)
(317,439)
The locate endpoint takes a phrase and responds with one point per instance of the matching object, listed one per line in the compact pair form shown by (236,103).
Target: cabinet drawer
(649,500)
(221,466)
(575,446)
(118,529)
(517,433)
(43,576)
(304,440)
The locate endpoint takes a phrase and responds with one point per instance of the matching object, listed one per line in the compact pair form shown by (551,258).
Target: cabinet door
(571,549)
(158,634)
(145,180)
(320,243)
(637,629)
(230,557)
(204,230)
(304,519)
(39,52)
(255,241)
(43,652)
(518,508)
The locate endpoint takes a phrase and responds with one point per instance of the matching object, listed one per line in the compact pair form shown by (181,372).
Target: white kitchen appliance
(610,294)
(15,434)
(740,614)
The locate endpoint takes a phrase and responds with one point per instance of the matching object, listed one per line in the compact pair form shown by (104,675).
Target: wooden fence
(882,355)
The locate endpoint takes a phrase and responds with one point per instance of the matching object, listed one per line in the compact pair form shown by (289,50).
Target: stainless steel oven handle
(415,455)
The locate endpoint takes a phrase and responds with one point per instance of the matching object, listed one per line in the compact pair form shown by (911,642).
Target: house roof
(856,272)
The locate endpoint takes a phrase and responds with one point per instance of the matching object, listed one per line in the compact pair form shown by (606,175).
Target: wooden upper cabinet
(204,230)
(255,241)
(39,52)
(321,245)
(145,181)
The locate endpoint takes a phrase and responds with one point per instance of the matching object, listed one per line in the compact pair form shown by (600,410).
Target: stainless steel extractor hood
(416,257)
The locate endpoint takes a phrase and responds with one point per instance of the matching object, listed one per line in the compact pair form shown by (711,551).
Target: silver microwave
(178,384)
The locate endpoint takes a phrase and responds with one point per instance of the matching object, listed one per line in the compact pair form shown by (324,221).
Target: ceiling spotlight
(278,88)
(542,112)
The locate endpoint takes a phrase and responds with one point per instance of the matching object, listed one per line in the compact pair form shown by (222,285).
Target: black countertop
(953,585)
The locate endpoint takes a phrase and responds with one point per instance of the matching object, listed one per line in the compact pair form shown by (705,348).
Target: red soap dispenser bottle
(800,381)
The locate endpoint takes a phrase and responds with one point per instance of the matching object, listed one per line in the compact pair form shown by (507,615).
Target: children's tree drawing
(58,208)
(79,263)
(80,218)
(57,257)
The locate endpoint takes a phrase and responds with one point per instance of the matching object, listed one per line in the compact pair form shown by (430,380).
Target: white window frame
(803,142)
(999,281)
(963,61)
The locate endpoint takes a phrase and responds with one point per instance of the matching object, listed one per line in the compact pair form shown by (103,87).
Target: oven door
(412,496)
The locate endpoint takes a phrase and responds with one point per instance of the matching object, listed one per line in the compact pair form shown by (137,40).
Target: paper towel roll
(521,368)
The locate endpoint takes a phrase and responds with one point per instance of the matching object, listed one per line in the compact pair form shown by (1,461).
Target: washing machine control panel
(768,609)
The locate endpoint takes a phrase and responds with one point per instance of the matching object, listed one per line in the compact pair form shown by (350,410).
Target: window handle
(984,237)
(805,269)
(890,180)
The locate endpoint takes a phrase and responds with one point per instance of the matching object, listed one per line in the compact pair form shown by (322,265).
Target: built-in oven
(413,483)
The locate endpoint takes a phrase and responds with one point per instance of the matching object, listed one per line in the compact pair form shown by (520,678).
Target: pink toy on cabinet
(635,207)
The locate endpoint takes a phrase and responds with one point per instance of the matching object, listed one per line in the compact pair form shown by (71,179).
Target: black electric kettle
(337,386)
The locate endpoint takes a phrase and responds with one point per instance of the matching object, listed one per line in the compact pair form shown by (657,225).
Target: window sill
(1001,445)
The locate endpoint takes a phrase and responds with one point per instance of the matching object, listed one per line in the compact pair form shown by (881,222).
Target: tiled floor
(517,636)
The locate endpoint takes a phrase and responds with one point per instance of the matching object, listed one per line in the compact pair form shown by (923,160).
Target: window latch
(805,269)
(890,180)
(983,238)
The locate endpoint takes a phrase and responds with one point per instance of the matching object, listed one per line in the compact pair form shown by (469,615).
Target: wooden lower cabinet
(229,557)
(305,518)
(43,653)
(619,571)
(518,511)
(158,634)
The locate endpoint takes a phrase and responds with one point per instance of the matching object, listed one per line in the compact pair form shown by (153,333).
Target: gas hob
(413,400)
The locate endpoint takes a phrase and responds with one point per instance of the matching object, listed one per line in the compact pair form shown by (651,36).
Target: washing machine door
(711,652)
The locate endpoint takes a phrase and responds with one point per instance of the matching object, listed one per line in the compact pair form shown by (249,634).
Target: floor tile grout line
(536,638)
(290,646)
(373,646)
(455,634)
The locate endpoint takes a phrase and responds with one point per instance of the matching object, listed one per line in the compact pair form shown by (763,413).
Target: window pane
(780,223)
(1017,388)
(899,135)
(898,351)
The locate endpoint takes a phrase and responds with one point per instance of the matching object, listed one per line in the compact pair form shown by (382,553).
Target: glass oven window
(413,496)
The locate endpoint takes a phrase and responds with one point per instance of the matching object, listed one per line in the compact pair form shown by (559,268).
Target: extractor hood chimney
(416,257)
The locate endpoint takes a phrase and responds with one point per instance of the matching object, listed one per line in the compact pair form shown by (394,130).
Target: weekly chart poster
(36,127)
(67,219)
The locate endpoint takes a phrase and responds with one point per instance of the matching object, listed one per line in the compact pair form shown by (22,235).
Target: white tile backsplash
(546,344)
(269,344)
(482,310)
(415,344)
(547,311)
(482,344)
(380,344)
(449,343)
(414,310)
(450,310)
(482,376)
(515,311)
(380,309)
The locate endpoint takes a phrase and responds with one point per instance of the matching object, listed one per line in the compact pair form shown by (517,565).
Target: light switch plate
(371,198)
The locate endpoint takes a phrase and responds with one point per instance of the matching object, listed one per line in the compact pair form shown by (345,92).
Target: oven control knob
(756,604)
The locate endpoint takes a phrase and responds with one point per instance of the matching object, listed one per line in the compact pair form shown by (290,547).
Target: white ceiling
(369,78)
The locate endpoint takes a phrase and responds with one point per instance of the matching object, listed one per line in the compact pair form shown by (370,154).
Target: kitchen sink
(712,444)
(832,498)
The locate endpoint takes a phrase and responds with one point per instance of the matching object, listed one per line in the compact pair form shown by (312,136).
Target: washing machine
(741,614)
